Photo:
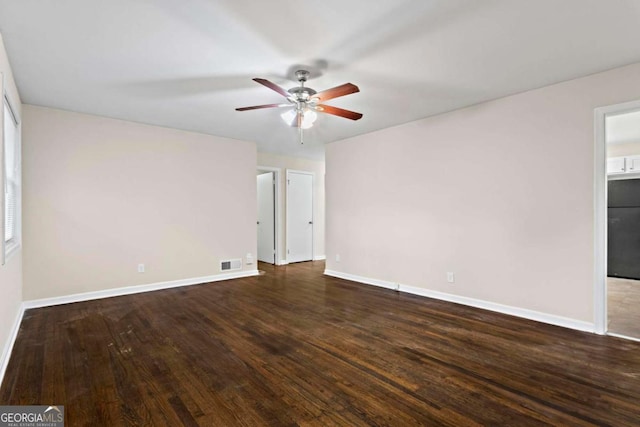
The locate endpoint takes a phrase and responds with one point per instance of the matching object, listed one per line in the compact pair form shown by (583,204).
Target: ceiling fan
(306,101)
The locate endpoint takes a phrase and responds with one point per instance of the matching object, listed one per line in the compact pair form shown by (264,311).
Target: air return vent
(230,264)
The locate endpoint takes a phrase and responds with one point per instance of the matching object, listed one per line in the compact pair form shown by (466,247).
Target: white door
(266,218)
(299,216)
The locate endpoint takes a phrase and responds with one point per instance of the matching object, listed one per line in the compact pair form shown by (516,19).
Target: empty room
(391,213)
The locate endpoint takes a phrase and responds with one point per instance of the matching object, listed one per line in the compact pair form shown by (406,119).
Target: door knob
(310,222)
(258,222)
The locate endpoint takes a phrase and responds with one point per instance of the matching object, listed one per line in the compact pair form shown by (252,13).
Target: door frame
(313,206)
(600,211)
(277,176)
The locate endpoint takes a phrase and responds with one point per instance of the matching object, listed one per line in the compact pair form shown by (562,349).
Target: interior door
(266,218)
(299,216)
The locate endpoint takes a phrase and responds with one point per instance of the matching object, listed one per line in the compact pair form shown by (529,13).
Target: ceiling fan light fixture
(288,117)
(308,118)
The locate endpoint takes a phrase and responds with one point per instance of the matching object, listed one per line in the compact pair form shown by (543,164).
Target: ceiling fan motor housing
(302,93)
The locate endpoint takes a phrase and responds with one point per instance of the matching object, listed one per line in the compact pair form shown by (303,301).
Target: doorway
(266,217)
(299,216)
(268,223)
(617,221)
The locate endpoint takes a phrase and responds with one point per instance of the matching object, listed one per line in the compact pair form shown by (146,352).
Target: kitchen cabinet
(623,165)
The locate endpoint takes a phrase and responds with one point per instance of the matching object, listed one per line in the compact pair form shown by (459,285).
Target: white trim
(472,302)
(277,176)
(3,176)
(319,257)
(8,345)
(128,290)
(600,211)
(600,225)
(11,247)
(283,262)
(313,202)
(360,279)
(625,337)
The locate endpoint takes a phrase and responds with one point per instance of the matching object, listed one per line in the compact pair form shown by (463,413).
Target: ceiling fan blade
(337,91)
(273,87)
(339,112)
(257,107)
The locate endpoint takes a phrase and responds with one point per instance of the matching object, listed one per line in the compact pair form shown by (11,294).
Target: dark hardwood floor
(293,347)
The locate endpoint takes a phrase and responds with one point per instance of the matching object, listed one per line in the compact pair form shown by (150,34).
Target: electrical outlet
(450,277)
(337,258)
(249,258)
(140,268)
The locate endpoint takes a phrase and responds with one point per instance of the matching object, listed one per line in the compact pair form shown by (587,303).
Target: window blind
(11,176)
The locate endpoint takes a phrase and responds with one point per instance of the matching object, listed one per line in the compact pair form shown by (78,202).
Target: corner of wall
(11,272)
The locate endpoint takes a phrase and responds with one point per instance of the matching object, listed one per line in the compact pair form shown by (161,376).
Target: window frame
(12,245)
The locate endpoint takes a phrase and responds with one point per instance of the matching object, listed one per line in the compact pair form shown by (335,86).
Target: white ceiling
(188,64)
(623,128)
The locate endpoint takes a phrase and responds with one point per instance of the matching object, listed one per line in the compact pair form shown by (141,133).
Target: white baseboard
(626,337)
(472,302)
(360,279)
(108,293)
(8,345)
(315,258)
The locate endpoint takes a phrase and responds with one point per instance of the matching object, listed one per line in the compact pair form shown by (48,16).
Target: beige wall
(284,163)
(621,150)
(501,194)
(11,272)
(103,195)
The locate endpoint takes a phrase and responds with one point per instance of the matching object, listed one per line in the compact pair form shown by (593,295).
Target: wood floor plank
(293,347)
(623,306)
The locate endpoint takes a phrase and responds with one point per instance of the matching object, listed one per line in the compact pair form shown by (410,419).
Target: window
(11,180)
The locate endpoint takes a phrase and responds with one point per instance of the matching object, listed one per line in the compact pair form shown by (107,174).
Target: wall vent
(230,264)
